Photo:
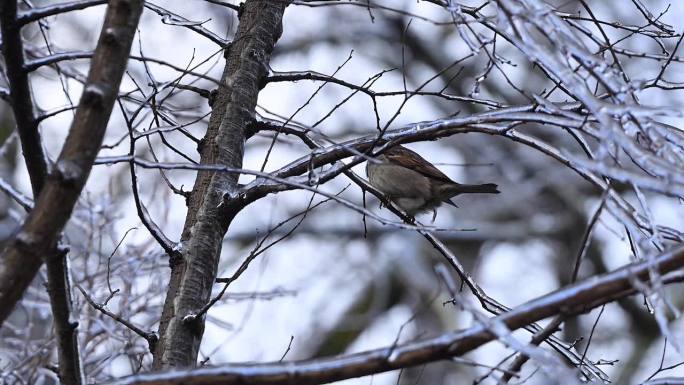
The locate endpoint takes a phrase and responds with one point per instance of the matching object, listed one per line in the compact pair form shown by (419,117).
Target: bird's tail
(486,188)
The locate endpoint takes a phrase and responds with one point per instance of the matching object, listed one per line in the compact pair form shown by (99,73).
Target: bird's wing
(404,157)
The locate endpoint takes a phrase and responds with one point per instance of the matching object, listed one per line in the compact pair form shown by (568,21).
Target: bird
(414,184)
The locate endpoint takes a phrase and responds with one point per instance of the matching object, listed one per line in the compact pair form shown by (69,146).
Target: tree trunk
(42,227)
(193,272)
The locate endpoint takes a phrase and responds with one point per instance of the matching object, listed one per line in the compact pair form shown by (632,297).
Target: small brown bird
(414,184)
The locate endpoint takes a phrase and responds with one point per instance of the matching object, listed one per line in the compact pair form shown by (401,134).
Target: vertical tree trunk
(42,227)
(56,196)
(22,102)
(36,243)
(193,272)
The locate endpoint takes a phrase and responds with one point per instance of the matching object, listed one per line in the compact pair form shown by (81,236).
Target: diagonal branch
(171,18)
(40,232)
(58,282)
(37,240)
(568,301)
(486,301)
(65,322)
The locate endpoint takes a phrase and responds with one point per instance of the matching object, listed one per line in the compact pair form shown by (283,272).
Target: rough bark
(193,273)
(20,93)
(40,232)
(65,322)
(59,290)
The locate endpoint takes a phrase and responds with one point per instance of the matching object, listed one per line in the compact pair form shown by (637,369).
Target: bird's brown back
(404,157)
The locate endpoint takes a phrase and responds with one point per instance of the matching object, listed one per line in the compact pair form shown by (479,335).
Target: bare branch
(42,227)
(574,299)
(36,14)
(171,18)
(17,196)
(150,337)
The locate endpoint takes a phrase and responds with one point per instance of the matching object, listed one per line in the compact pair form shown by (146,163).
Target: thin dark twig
(270,148)
(150,337)
(591,334)
(289,345)
(166,244)
(109,262)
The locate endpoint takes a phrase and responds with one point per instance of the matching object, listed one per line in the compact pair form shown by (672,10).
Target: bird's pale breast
(399,182)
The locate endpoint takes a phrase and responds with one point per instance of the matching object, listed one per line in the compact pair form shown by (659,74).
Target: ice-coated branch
(571,300)
(36,14)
